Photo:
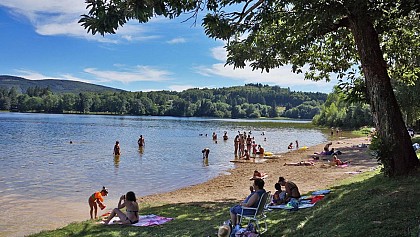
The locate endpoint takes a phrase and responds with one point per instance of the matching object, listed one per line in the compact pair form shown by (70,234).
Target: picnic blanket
(305,201)
(288,207)
(147,220)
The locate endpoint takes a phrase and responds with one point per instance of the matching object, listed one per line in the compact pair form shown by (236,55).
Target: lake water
(45,181)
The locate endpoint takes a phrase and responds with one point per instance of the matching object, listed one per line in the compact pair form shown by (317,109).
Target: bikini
(127,219)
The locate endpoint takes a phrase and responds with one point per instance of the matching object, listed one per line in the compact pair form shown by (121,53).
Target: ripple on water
(43,173)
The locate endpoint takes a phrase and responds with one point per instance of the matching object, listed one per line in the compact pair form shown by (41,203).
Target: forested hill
(54,85)
(249,101)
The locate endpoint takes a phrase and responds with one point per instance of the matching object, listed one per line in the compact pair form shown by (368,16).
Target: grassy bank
(367,204)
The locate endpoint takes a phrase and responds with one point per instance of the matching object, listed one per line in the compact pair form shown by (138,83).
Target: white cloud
(282,76)
(31,75)
(73,78)
(219,53)
(52,17)
(128,75)
(44,6)
(178,40)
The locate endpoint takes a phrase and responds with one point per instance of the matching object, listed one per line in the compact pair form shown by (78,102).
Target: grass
(367,204)
(363,131)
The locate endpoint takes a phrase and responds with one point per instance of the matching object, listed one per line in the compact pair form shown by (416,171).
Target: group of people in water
(245,146)
(117,149)
(286,191)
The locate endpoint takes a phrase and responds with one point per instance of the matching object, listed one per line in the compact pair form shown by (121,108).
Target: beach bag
(249,231)
(293,204)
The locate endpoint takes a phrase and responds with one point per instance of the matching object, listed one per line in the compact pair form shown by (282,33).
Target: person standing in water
(236,144)
(205,152)
(117,149)
(141,142)
(225,136)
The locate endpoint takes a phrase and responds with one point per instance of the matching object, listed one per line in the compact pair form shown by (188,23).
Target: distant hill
(55,85)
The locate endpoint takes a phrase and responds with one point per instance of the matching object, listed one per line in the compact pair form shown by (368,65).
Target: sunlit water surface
(45,181)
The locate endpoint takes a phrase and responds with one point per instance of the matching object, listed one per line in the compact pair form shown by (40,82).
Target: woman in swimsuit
(132,210)
(292,190)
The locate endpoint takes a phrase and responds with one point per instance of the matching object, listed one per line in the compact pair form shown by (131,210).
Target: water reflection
(205,162)
(116,161)
(141,151)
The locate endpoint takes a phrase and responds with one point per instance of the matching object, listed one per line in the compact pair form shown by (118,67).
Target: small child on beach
(278,196)
(95,200)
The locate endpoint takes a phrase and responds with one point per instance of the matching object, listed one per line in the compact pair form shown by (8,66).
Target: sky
(41,39)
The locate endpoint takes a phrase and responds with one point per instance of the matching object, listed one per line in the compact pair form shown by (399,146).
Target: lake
(45,180)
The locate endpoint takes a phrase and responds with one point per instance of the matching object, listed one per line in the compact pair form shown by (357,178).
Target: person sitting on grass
(292,190)
(131,216)
(251,201)
(278,196)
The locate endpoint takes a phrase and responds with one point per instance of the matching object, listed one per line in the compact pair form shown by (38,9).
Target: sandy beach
(235,185)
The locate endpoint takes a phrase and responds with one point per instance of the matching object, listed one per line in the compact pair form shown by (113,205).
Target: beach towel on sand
(147,220)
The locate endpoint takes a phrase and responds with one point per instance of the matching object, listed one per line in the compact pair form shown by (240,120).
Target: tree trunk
(397,153)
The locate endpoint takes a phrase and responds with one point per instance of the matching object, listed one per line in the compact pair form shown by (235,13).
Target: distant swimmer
(205,152)
(141,141)
(225,136)
(214,136)
(117,149)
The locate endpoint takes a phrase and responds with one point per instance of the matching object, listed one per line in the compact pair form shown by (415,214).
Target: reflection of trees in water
(116,161)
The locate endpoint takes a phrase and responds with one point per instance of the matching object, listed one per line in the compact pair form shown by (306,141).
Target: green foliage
(380,150)
(407,94)
(340,112)
(327,37)
(250,101)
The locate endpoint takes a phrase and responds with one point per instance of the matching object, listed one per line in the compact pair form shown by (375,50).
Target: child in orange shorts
(96,200)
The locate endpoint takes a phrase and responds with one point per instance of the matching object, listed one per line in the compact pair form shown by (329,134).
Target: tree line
(249,101)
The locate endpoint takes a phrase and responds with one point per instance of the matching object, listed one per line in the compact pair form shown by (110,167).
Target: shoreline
(235,185)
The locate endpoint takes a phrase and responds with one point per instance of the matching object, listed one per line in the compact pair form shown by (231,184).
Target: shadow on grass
(368,204)
(373,206)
